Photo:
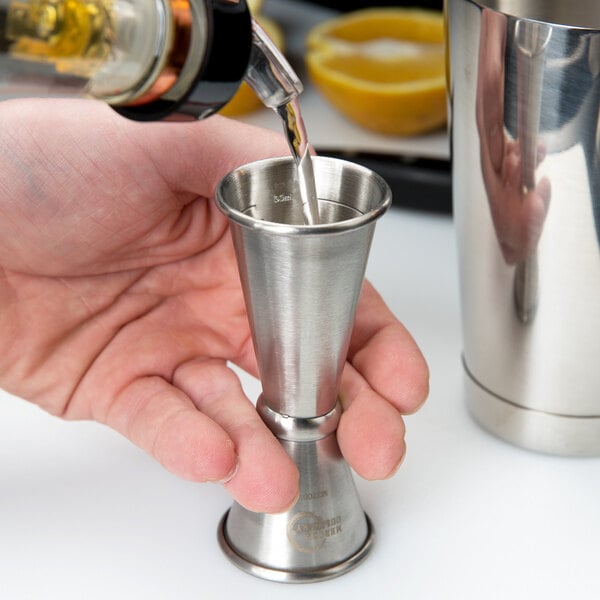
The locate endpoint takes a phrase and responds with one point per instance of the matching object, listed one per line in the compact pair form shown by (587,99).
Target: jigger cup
(301,286)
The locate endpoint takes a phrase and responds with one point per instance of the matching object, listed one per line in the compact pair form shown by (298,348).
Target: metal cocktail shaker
(524,94)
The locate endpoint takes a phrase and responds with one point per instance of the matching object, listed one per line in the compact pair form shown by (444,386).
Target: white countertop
(84,514)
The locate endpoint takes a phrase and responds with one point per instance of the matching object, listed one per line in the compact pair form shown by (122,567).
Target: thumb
(194,156)
(79,135)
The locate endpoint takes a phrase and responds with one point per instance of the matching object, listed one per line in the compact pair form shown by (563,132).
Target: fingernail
(291,505)
(231,474)
(395,468)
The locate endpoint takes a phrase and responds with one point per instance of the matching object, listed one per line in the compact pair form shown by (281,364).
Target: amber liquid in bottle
(74,35)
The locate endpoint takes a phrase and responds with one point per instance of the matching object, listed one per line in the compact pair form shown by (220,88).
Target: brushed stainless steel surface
(524,94)
(532,429)
(323,535)
(301,286)
(283,576)
(302,282)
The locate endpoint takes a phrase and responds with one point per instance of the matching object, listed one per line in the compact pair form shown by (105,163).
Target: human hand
(121,300)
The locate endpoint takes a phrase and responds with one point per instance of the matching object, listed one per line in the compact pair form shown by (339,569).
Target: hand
(518,214)
(121,300)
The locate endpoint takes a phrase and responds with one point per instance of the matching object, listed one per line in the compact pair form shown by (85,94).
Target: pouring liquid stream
(295,132)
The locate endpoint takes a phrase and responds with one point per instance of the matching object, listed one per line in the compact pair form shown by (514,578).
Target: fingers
(191,156)
(386,355)
(387,377)
(266,479)
(195,156)
(371,431)
(164,422)
(203,428)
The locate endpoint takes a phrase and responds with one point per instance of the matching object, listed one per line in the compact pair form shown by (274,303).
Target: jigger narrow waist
(299,429)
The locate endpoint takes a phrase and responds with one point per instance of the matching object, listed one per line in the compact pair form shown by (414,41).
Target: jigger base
(286,576)
(545,432)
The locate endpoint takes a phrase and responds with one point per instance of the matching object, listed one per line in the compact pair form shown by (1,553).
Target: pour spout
(269,74)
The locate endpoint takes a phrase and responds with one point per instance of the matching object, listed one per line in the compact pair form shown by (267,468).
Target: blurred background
(346,5)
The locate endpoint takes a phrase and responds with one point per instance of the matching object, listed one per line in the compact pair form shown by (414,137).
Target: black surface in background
(423,184)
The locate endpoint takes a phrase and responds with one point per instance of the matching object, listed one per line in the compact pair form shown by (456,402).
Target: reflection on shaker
(524,91)
(518,204)
(531,40)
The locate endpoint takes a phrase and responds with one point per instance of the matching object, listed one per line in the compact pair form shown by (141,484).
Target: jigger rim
(369,176)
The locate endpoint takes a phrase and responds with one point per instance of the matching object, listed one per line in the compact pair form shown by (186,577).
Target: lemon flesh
(382,68)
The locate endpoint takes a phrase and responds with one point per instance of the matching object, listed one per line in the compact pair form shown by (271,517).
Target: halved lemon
(245,100)
(383,68)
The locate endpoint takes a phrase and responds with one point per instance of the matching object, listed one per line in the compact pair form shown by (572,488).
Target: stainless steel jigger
(301,286)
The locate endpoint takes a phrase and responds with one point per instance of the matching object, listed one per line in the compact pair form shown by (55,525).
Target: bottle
(148,59)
